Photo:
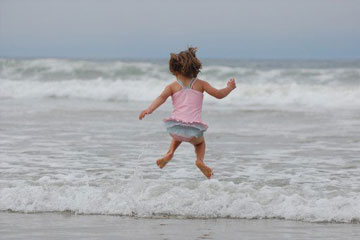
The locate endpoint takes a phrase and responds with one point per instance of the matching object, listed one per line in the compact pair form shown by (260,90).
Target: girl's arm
(157,102)
(220,93)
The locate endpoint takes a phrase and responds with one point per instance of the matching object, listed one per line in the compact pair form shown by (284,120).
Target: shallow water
(88,153)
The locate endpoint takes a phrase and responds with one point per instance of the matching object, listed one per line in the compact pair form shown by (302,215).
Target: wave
(267,94)
(206,199)
(143,81)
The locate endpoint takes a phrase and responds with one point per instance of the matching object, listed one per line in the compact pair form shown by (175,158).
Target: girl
(184,124)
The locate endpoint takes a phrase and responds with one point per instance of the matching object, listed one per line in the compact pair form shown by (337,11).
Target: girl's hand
(143,113)
(231,84)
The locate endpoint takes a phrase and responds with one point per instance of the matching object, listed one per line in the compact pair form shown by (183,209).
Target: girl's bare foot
(161,162)
(208,172)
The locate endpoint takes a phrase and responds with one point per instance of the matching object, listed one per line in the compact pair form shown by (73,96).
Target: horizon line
(166,59)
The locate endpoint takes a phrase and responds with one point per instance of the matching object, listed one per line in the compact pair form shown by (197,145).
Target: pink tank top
(187,104)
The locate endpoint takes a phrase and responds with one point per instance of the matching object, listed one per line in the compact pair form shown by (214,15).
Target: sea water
(285,144)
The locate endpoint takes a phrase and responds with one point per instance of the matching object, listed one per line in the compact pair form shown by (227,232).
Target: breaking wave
(190,199)
(282,85)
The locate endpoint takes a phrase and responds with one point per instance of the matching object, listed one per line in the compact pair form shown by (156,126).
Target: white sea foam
(204,199)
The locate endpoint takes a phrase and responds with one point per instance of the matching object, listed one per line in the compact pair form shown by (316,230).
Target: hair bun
(192,51)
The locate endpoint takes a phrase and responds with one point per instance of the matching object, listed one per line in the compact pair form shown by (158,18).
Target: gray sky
(154,28)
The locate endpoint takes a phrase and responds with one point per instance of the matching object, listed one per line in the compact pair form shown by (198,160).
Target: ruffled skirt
(183,131)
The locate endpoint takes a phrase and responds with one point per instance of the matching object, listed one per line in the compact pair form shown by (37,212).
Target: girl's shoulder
(199,84)
(174,86)
(200,81)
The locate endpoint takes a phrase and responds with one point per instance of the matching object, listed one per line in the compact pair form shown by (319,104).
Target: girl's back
(187,104)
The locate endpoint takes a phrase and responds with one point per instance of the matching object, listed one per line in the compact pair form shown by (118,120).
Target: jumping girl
(185,124)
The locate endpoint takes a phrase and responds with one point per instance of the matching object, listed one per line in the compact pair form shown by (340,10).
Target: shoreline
(175,217)
(14,225)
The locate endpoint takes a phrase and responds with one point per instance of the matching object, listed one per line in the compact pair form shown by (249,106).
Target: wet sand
(70,226)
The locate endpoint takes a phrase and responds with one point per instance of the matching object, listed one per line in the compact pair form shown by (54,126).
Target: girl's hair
(185,63)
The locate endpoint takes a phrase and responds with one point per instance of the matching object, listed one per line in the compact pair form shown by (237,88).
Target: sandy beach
(70,226)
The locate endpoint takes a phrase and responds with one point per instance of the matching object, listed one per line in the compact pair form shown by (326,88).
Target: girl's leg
(199,144)
(173,146)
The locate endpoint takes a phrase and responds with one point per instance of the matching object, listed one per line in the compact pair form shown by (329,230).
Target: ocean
(284,145)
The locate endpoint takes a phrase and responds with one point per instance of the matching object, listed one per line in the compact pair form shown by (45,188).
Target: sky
(229,29)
